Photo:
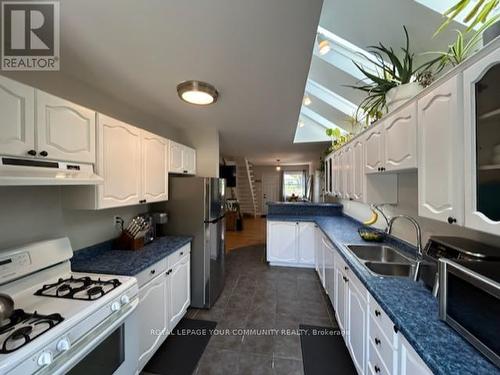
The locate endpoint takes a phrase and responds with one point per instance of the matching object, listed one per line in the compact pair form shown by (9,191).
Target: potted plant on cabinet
(395,82)
(479,14)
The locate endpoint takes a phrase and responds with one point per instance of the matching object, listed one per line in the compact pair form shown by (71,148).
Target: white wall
(32,213)
(206,143)
(408,205)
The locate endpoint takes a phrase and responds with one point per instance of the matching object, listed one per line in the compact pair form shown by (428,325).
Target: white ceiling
(257,53)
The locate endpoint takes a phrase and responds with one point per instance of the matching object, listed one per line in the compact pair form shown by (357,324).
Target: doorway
(270,189)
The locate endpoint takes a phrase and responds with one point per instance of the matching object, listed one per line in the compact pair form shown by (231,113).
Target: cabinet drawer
(178,255)
(380,317)
(151,272)
(381,342)
(376,365)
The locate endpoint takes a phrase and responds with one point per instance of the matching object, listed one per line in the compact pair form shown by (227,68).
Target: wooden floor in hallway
(253,233)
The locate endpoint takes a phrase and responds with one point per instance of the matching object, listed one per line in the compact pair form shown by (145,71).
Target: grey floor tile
(284,366)
(252,364)
(258,344)
(218,362)
(287,346)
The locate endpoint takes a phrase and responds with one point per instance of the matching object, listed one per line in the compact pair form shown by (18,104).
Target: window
(294,184)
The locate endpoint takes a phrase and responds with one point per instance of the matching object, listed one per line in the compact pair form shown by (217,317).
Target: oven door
(470,304)
(109,349)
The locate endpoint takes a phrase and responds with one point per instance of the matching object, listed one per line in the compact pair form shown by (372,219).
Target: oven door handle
(84,346)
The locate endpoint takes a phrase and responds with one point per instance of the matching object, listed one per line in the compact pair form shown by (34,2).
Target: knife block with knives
(132,237)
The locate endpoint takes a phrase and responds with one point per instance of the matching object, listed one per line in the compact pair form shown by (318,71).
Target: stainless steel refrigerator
(196,208)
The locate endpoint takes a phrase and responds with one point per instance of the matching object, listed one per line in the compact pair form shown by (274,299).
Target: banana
(373,219)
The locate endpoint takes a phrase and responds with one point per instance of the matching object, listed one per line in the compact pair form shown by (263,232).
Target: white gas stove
(65,322)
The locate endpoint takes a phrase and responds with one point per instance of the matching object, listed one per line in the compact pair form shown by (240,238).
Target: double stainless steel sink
(383,260)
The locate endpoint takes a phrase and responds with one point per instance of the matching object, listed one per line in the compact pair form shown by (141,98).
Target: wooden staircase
(245,187)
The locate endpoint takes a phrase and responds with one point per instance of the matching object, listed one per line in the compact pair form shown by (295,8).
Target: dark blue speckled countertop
(101,258)
(304,208)
(409,304)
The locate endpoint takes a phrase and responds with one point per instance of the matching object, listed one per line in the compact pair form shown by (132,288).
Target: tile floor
(260,297)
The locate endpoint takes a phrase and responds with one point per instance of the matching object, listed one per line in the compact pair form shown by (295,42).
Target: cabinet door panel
(179,291)
(482,144)
(176,155)
(440,166)
(189,160)
(154,167)
(307,233)
(374,145)
(340,298)
(17,122)
(282,242)
(66,131)
(348,171)
(358,173)
(119,163)
(152,318)
(356,326)
(400,139)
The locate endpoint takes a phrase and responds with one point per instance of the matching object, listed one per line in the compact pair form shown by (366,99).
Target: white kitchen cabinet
(119,163)
(440,153)
(400,139)
(182,159)
(482,144)
(329,257)
(357,173)
(282,242)
(306,242)
(64,130)
(336,173)
(410,362)
(178,289)
(152,316)
(374,149)
(341,286)
(133,164)
(17,121)
(357,326)
(291,243)
(347,168)
(154,167)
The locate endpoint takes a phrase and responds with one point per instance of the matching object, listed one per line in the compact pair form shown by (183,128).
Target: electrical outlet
(118,222)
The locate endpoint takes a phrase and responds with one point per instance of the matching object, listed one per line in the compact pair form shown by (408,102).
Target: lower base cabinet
(163,301)
(291,243)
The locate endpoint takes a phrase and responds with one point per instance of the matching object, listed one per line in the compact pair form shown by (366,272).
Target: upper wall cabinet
(133,163)
(17,121)
(119,163)
(182,159)
(154,167)
(482,144)
(357,171)
(440,153)
(400,139)
(374,149)
(65,131)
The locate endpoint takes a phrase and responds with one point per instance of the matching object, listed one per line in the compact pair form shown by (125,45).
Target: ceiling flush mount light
(278,167)
(307,100)
(323,45)
(197,92)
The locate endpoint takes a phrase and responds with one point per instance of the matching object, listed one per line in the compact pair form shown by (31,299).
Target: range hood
(16,171)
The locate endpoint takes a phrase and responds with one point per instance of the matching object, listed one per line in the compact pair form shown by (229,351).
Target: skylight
(328,96)
(442,6)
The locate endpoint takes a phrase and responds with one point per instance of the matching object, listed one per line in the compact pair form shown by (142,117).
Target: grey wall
(32,213)
(206,143)
(408,204)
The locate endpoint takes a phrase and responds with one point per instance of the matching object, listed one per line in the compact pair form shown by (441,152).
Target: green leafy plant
(338,139)
(461,48)
(393,70)
(478,14)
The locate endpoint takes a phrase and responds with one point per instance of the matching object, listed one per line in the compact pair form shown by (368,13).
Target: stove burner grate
(81,288)
(22,328)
